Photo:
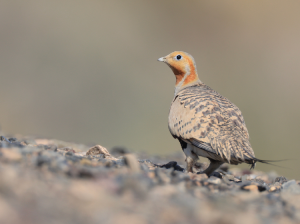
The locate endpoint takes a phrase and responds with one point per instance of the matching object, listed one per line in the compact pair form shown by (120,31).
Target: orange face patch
(181,63)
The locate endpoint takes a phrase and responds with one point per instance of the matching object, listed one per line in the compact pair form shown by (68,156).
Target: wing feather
(210,122)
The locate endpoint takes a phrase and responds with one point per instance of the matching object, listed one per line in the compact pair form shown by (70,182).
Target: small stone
(214,180)
(294,189)
(216,174)
(67,149)
(178,168)
(262,179)
(2,138)
(288,184)
(250,188)
(273,188)
(172,164)
(100,150)
(11,155)
(291,187)
(253,187)
(169,165)
(12,139)
(118,162)
(236,180)
(69,153)
(281,179)
(97,149)
(51,147)
(132,162)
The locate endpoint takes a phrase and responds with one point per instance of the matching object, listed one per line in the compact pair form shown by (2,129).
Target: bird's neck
(186,78)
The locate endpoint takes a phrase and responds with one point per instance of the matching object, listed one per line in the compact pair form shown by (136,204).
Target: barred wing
(201,116)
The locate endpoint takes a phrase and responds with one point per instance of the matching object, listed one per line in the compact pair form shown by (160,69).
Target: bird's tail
(269,162)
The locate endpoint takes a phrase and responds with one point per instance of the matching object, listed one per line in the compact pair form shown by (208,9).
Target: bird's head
(183,67)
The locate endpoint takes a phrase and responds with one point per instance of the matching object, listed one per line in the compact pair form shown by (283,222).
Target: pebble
(253,187)
(132,163)
(291,187)
(287,184)
(2,138)
(214,180)
(97,149)
(51,147)
(67,149)
(273,188)
(281,180)
(11,154)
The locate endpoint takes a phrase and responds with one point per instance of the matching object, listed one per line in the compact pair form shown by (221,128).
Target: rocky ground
(50,181)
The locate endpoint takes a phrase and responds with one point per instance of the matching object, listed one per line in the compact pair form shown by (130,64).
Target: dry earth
(50,181)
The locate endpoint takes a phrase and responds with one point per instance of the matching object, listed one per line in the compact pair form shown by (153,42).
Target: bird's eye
(178,57)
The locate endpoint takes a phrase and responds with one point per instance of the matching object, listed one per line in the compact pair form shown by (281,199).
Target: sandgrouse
(205,123)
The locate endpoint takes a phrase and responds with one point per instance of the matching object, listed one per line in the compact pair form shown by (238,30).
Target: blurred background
(87,71)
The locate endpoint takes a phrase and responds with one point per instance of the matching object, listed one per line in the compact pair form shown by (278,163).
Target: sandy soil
(51,181)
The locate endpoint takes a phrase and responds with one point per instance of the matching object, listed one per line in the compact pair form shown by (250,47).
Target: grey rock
(69,153)
(68,149)
(281,180)
(291,187)
(172,164)
(288,184)
(50,147)
(216,174)
(214,180)
(294,189)
(2,138)
(132,162)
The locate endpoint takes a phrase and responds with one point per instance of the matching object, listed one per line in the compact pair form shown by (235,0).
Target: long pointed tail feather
(269,162)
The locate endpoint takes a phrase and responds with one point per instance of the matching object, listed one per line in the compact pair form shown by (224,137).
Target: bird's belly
(204,153)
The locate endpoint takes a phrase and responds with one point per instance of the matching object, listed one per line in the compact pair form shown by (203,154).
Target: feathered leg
(191,157)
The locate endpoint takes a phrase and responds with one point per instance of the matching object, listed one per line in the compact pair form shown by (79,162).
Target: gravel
(50,181)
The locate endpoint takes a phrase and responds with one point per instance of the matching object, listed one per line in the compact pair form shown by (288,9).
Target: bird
(206,123)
